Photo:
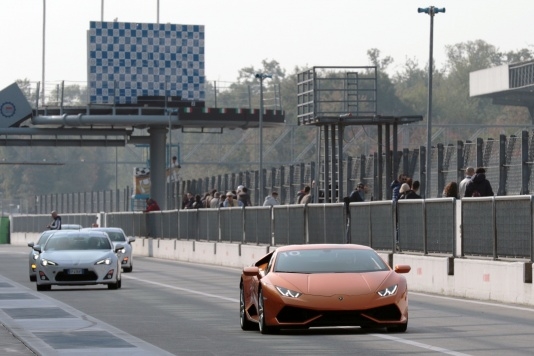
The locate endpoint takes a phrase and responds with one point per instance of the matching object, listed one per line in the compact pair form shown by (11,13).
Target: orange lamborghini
(321,285)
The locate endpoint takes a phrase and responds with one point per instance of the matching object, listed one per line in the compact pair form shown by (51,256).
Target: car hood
(77,257)
(327,284)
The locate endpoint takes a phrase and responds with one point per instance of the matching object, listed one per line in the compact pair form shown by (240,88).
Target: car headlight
(288,292)
(388,291)
(122,251)
(46,262)
(107,261)
(35,256)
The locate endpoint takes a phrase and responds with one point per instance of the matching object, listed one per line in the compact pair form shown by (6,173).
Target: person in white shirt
(469,173)
(271,200)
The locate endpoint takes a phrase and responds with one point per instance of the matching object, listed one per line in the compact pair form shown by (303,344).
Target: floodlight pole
(430,11)
(44,47)
(261,77)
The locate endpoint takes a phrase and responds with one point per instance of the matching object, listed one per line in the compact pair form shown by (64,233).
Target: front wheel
(264,328)
(245,323)
(43,287)
(398,329)
(128,269)
(114,285)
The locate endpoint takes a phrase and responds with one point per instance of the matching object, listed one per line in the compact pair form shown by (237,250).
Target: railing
(489,227)
(508,163)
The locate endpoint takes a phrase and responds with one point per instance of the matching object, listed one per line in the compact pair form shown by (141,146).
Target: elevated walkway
(509,84)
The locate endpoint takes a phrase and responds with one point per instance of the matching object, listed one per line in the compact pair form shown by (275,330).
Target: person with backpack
(479,186)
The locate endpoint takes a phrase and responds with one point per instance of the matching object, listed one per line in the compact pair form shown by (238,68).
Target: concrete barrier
(499,281)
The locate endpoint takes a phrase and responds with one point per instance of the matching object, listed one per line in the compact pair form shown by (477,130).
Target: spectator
(307,195)
(301,193)
(243,196)
(358,194)
(404,190)
(469,173)
(197,204)
(451,190)
(215,202)
(413,193)
(173,170)
(479,186)
(230,202)
(189,201)
(206,199)
(56,221)
(151,205)
(396,185)
(271,200)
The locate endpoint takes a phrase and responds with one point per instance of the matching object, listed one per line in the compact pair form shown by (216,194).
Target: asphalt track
(168,307)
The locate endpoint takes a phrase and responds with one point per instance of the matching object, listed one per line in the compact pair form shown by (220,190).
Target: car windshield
(83,242)
(44,236)
(329,261)
(116,236)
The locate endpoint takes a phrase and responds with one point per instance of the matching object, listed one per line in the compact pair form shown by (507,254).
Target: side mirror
(37,248)
(30,244)
(251,271)
(402,268)
(131,239)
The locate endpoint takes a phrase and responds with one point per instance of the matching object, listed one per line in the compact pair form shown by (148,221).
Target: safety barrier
(494,227)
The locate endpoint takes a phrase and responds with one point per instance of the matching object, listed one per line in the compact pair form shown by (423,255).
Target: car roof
(71,226)
(322,246)
(104,229)
(79,233)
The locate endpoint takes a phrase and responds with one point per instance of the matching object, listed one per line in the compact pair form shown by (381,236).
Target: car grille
(86,276)
(330,318)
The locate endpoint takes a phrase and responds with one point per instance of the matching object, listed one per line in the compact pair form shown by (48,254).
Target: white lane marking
(420,345)
(474,302)
(392,338)
(184,289)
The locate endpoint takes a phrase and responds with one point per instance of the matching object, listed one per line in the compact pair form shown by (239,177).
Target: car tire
(264,328)
(113,285)
(245,323)
(43,287)
(127,269)
(399,328)
(33,278)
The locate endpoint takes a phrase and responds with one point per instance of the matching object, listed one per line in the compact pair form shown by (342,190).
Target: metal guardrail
(491,227)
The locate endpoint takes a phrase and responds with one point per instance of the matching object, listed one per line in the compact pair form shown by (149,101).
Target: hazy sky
(241,33)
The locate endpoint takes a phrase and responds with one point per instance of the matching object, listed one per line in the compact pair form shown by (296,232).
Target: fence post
(460,161)
(503,169)
(422,171)
(441,175)
(525,163)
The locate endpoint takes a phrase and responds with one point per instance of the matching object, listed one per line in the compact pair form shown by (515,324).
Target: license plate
(75,271)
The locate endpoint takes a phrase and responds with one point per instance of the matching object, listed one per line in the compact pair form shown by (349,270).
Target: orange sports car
(320,285)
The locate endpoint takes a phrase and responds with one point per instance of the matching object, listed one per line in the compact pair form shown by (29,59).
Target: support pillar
(157,165)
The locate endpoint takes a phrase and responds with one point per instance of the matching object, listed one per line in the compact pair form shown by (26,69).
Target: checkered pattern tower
(131,60)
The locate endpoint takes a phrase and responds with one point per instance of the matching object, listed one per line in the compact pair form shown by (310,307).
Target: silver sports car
(117,236)
(34,254)
(78,257)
